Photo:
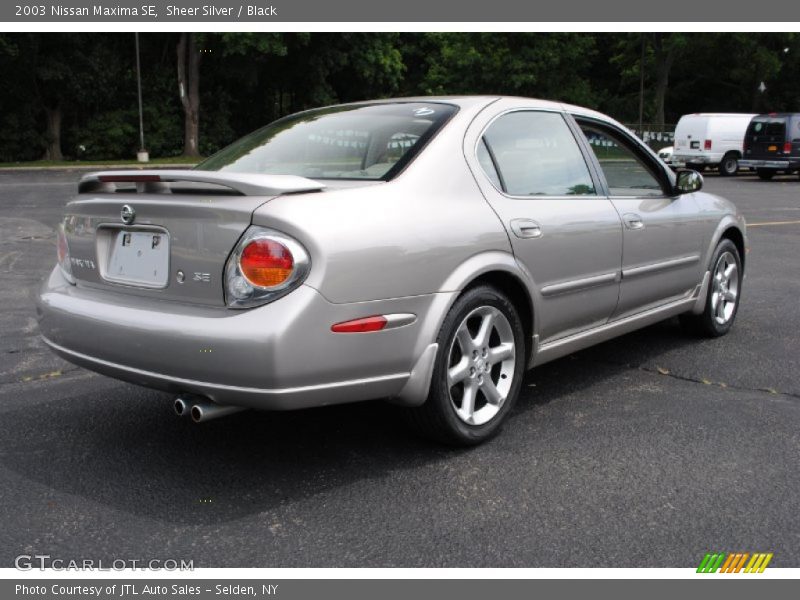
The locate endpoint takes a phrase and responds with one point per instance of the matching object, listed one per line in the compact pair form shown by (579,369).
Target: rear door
(534,174)
(766,136)
(663,235)
(690,135)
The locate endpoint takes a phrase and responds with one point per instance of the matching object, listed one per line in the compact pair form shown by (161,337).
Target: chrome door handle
(633,221)
(526,228)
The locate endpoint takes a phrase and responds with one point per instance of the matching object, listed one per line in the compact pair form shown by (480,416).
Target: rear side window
(535,154)
(487,163)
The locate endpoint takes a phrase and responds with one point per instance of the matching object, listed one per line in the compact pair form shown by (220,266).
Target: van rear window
(771,127)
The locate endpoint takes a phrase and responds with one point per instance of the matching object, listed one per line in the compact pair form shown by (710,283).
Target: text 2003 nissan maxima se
(426,251)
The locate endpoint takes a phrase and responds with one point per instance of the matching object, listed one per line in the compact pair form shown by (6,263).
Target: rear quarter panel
(400,238)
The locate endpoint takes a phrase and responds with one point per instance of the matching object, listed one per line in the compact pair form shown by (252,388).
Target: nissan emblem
(127,214)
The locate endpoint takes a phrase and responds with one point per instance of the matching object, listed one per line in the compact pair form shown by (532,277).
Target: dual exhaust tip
(201,409)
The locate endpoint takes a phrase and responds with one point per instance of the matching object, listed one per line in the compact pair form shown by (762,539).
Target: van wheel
(478,370)
(694,167)
(724,293)
(729,165)
(765,174)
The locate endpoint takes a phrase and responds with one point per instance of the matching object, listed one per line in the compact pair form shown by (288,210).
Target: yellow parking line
(773,223)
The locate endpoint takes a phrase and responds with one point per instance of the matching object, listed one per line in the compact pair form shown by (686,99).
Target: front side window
(342,142)
(535,154)
(625,172)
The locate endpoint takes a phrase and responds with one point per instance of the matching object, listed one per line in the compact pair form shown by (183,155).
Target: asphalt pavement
(646,451)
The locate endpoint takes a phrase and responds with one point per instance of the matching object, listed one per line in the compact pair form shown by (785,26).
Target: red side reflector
(364,325)
(128,178)
(787,148)
(707,145)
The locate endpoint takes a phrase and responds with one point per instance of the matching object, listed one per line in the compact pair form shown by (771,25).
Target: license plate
(694,145)
(772,149)
(140,258)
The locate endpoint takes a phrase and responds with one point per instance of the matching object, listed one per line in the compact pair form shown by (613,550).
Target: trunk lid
(165,234)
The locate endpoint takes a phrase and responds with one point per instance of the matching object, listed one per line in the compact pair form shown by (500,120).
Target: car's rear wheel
(729,165)
(478,371)
(765,174)
(724,292)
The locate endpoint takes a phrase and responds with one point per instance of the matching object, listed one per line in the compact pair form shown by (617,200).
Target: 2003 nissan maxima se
(427,251)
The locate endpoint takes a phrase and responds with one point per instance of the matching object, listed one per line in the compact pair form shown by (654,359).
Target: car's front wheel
(724,293)
(478,371)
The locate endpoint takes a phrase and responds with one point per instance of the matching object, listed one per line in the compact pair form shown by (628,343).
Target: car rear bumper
(778,164)
(279,356)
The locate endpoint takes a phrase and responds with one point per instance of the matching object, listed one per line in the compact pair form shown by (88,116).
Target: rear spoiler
(157,181)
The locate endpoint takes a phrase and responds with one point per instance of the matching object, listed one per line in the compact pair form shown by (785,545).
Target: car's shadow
(124,448)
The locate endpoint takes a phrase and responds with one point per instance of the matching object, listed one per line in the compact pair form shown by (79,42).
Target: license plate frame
(137,257)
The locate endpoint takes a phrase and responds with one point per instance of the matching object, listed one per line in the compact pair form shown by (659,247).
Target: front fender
(727,222)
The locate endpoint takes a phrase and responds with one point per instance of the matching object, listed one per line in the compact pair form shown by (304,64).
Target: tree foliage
(76,92)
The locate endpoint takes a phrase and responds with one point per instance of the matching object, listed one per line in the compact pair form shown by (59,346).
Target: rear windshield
(372,142)
(775,127)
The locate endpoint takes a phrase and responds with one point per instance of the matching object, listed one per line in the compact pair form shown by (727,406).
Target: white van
(710,140)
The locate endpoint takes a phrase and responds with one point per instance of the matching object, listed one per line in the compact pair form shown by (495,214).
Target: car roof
(719,115)
(471,101)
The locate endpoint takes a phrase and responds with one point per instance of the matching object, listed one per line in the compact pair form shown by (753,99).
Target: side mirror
(688,181)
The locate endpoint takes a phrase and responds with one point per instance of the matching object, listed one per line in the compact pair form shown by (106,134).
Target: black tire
(437,419)
(707,324)
(765,174)
(695,167)
(729,165)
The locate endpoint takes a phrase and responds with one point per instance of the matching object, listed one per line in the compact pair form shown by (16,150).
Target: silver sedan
(427,251)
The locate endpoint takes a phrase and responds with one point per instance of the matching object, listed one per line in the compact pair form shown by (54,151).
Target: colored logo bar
(734,562)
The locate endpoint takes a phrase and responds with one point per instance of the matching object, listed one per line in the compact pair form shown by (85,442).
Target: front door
(663,240)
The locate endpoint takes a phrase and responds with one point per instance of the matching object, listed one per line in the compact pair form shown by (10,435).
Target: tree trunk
(664,59)
(53,134)
(189,90)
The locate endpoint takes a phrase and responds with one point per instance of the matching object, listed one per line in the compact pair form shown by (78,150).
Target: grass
(154,162)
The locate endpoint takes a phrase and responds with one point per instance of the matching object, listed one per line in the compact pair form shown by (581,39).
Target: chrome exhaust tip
(182,406)
(205,410)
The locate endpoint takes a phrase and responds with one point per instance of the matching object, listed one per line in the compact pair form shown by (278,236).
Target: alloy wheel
(725,288)
(481,364)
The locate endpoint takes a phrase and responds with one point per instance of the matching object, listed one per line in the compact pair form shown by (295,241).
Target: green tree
(553,66)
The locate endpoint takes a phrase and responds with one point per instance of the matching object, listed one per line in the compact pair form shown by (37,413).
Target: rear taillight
(62,254)
(264,266)
(266,263)
(707,145)
(787,148)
